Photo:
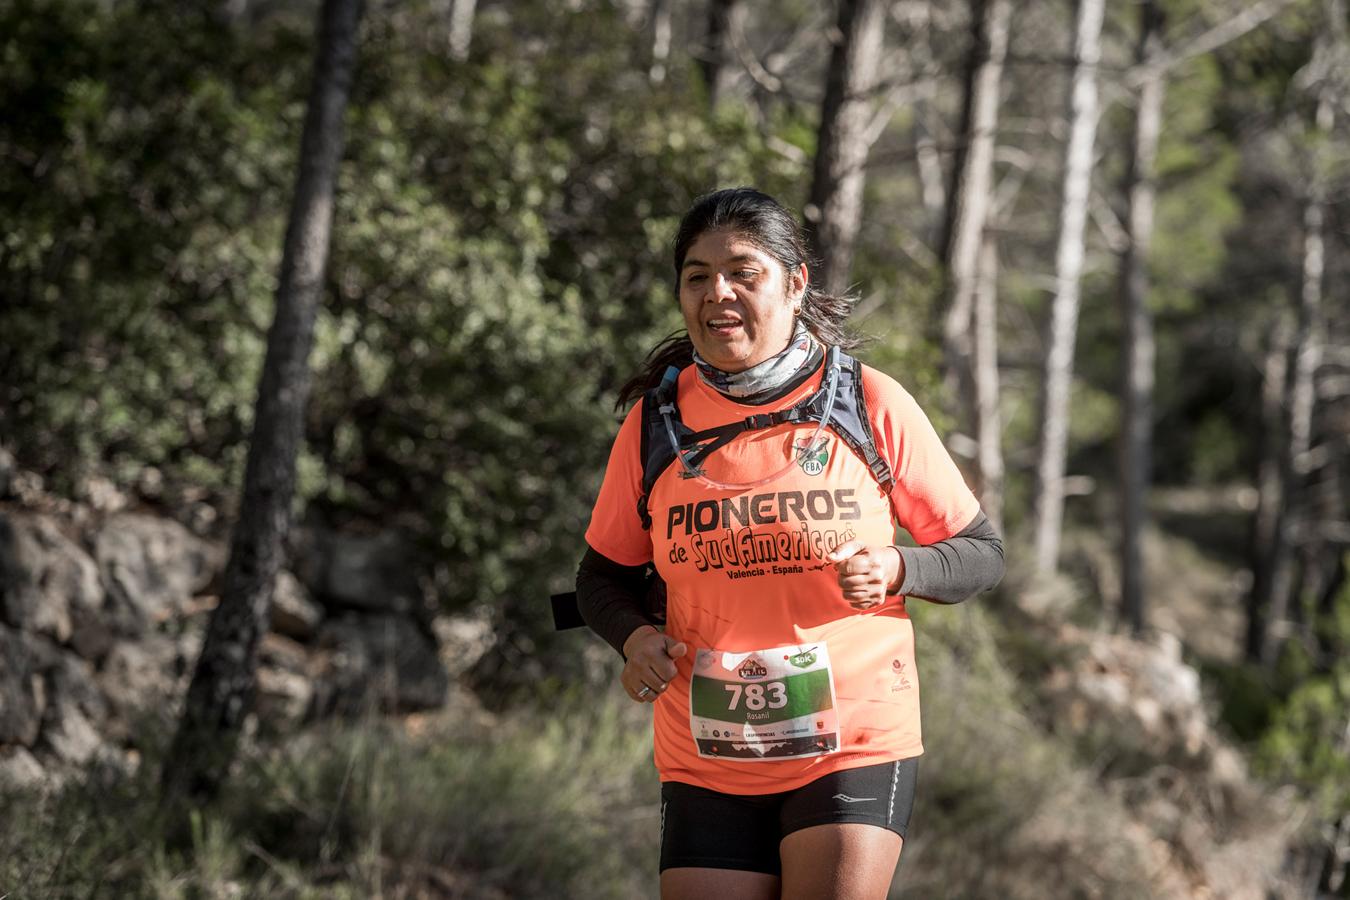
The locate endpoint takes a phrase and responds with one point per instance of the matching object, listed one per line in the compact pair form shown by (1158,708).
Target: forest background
(1137,347)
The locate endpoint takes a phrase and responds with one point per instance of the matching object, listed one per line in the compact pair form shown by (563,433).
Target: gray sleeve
(949,571)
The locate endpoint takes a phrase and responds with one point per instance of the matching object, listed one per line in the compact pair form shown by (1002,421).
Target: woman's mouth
(723,327)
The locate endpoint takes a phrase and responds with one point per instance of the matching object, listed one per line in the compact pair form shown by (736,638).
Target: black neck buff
(775,377)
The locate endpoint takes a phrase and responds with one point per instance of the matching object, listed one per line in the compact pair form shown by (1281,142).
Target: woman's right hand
(650,665)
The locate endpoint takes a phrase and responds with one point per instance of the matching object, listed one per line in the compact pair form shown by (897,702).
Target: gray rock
(48,698)
(143,678)
(280,652)
(285,691)
(48,584)
(27,487)
(101,494)
(23,690)
(359,572)
(377,662)
(18,768)
(283,698)
(74,711)
(68,735)
(463,640)
(293,613)
(7,470)
(151,567)
(70,681)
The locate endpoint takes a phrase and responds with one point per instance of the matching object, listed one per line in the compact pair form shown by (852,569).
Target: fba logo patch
(752,669)
(814,463)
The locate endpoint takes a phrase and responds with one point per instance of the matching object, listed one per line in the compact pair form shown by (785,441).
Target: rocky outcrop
(47,583)
(102,612)
(150,569)
(1210,829)
(374,573)
(377,661)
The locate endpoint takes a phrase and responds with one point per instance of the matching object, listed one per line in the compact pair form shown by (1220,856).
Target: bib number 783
(772,694)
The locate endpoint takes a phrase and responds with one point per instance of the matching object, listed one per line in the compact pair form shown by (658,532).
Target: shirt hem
(856,760)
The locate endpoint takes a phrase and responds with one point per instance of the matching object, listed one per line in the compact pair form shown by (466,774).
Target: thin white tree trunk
(461,28)
(970,199)
(1308,337)
(660,27)
(834,212)
(1054,431)
(1136,431)
(926,156)
(1300,402)
(1306,352)
(932,184)
(988,420)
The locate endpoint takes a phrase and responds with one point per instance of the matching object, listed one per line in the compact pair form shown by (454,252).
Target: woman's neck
(771,379)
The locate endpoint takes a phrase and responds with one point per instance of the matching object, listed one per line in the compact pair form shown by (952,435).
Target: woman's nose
(721,289)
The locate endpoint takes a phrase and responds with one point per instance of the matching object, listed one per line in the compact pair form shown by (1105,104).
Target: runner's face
(737,300)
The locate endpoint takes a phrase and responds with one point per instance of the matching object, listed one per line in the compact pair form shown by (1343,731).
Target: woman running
(763,476)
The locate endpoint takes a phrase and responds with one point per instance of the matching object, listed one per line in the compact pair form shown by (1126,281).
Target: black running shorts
(709,829)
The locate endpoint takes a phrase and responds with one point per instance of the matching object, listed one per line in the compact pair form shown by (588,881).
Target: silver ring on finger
(644,692)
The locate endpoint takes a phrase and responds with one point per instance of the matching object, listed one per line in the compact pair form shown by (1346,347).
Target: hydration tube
(803,451)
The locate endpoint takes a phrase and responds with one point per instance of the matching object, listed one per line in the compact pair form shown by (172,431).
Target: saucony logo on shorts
(847,799)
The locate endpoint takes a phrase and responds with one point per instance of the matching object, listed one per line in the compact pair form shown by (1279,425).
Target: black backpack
(661,419)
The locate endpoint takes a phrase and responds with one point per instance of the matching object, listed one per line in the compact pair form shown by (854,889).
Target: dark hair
(767,224)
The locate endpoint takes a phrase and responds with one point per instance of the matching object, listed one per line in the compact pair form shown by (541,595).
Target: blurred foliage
(141,198)
(1307,744)
(1307,741)
(498,221)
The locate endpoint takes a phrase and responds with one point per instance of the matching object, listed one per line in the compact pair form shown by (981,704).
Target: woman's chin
(726,362)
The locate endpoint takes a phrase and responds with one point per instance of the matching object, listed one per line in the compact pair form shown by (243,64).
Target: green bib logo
(814,463)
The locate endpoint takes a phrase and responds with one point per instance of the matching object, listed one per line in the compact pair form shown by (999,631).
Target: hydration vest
(847,418)
(661,416)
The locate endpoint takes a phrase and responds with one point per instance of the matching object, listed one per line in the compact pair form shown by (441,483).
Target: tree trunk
(719,71)
(834,213)
(1136,432)
(1299,401)
(1266,526)
(969,200)
(659,22)
(223,684)
(988,421)
(461,28)
(1054,432)
(932,183)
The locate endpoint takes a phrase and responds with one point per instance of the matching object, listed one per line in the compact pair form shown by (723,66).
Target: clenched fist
(649,663)
(866,573)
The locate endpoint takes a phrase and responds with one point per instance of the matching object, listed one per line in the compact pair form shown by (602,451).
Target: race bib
(763,705)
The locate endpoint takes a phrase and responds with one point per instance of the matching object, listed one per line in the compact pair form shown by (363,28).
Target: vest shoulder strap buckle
(760,420)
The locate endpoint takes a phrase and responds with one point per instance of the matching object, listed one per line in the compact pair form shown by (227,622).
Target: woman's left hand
(866,573)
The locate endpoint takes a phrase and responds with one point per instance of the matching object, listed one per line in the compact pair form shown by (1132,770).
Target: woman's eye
(694,279)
